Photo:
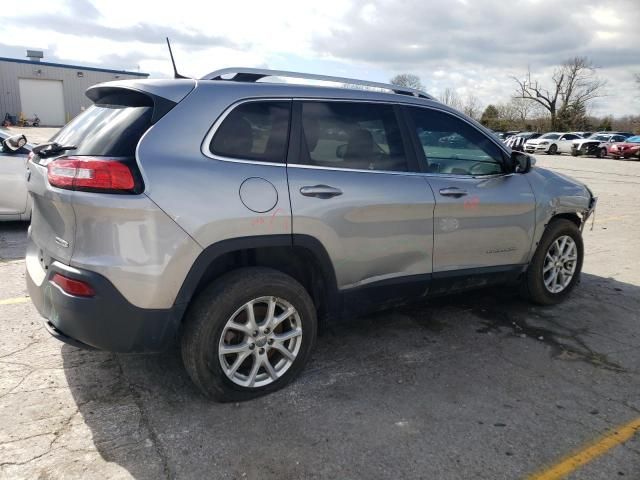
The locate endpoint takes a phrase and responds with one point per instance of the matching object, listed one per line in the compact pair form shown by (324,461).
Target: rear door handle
(320,191)
(453,192)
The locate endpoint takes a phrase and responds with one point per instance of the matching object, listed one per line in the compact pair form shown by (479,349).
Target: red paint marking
(472,203)
(273,215)
(271,219)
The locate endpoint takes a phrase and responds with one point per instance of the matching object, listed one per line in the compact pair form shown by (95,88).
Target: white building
(52,91)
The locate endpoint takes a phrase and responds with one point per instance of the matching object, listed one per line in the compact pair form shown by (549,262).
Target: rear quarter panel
(135,245)
(200,193)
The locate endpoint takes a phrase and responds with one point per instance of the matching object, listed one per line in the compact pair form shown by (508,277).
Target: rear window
(254,131)
(112,127)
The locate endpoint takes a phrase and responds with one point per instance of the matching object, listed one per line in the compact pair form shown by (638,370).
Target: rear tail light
(91,173)
(77,288)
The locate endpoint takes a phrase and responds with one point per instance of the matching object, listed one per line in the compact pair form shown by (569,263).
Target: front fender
(557,194)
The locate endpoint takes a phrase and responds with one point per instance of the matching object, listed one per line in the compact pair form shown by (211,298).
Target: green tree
(491,117)
(605,125)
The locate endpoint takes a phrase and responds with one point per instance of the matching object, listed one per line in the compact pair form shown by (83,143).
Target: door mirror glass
(521,162)
(341,150)
(14,143)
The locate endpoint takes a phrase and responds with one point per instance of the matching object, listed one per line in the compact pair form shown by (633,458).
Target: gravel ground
(476,386)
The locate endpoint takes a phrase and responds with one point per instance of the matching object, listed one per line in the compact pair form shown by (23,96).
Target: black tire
(601,153)
(574,153)
(214,306)
(553,150)
(533,287)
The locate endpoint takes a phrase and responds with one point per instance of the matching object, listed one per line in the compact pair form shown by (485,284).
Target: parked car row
(599,144)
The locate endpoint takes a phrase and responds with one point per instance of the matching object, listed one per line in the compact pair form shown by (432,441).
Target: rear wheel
(248,334)
(553,149)
(556,265)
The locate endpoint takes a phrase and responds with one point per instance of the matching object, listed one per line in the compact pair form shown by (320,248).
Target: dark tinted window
(254,131)
(352,135)
(452,146)
(112,127)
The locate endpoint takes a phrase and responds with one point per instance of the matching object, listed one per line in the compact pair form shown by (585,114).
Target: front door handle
(453,192)
(320,191)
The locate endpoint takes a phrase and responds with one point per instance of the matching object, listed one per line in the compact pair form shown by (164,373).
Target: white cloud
(472,47)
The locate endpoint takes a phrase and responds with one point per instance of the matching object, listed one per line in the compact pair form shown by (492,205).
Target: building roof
(75,67)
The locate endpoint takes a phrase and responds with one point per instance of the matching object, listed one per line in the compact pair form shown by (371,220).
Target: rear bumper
(106,321)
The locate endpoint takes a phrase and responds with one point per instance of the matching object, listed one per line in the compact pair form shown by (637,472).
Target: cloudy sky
(472,46)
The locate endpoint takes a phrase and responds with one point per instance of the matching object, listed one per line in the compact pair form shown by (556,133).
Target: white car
(15,203)
(551,143)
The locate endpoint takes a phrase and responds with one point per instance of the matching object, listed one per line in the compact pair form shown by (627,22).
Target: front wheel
(601,153)
(553,149)
(248,334)
(556,265)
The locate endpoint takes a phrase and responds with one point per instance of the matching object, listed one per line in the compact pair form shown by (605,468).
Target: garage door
(44,98)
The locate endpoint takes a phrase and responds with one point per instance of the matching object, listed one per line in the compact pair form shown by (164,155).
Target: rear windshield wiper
(51,148)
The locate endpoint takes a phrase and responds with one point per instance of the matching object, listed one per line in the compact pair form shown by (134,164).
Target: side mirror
(521,162)
(14,143)
(341,150)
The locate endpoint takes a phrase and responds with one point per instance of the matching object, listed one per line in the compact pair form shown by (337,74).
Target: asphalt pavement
(481,385)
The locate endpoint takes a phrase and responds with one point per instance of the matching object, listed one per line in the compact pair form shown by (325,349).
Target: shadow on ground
(474,385)
(13,237)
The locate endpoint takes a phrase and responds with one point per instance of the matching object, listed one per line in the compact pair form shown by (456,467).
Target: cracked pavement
(479,385)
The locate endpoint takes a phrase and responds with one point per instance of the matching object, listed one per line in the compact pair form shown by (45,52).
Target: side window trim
(419,151)
(206,142)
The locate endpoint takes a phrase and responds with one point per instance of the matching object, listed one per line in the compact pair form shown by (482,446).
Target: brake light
(77,288)
(90,173)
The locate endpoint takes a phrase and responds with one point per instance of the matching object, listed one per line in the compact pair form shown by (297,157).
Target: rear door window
(363,136)
(254,131)
(111,127)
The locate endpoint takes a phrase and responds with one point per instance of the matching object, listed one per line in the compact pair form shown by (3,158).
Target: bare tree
(471,106)
(407,80)
(573,85)
(524,112)
(451,98)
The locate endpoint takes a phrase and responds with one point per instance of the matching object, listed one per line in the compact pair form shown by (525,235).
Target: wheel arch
(571,216)
(300,256)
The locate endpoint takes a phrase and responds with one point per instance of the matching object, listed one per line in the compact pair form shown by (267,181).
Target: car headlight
(544,143)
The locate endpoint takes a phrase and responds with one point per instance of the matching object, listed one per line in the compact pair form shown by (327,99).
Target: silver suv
(231,214)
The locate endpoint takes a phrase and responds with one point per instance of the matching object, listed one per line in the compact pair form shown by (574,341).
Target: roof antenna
(173,62)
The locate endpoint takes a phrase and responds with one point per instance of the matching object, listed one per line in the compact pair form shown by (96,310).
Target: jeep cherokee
(230,214)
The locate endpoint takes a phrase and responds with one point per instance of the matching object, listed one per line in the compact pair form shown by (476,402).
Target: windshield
(551,136)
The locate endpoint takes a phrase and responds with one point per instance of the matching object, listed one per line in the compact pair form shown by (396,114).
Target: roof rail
(254,74)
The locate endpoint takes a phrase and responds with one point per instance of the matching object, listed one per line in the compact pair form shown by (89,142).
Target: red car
(627,149)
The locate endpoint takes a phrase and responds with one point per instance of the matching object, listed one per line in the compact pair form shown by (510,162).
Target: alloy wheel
(260,342)
(560,264)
